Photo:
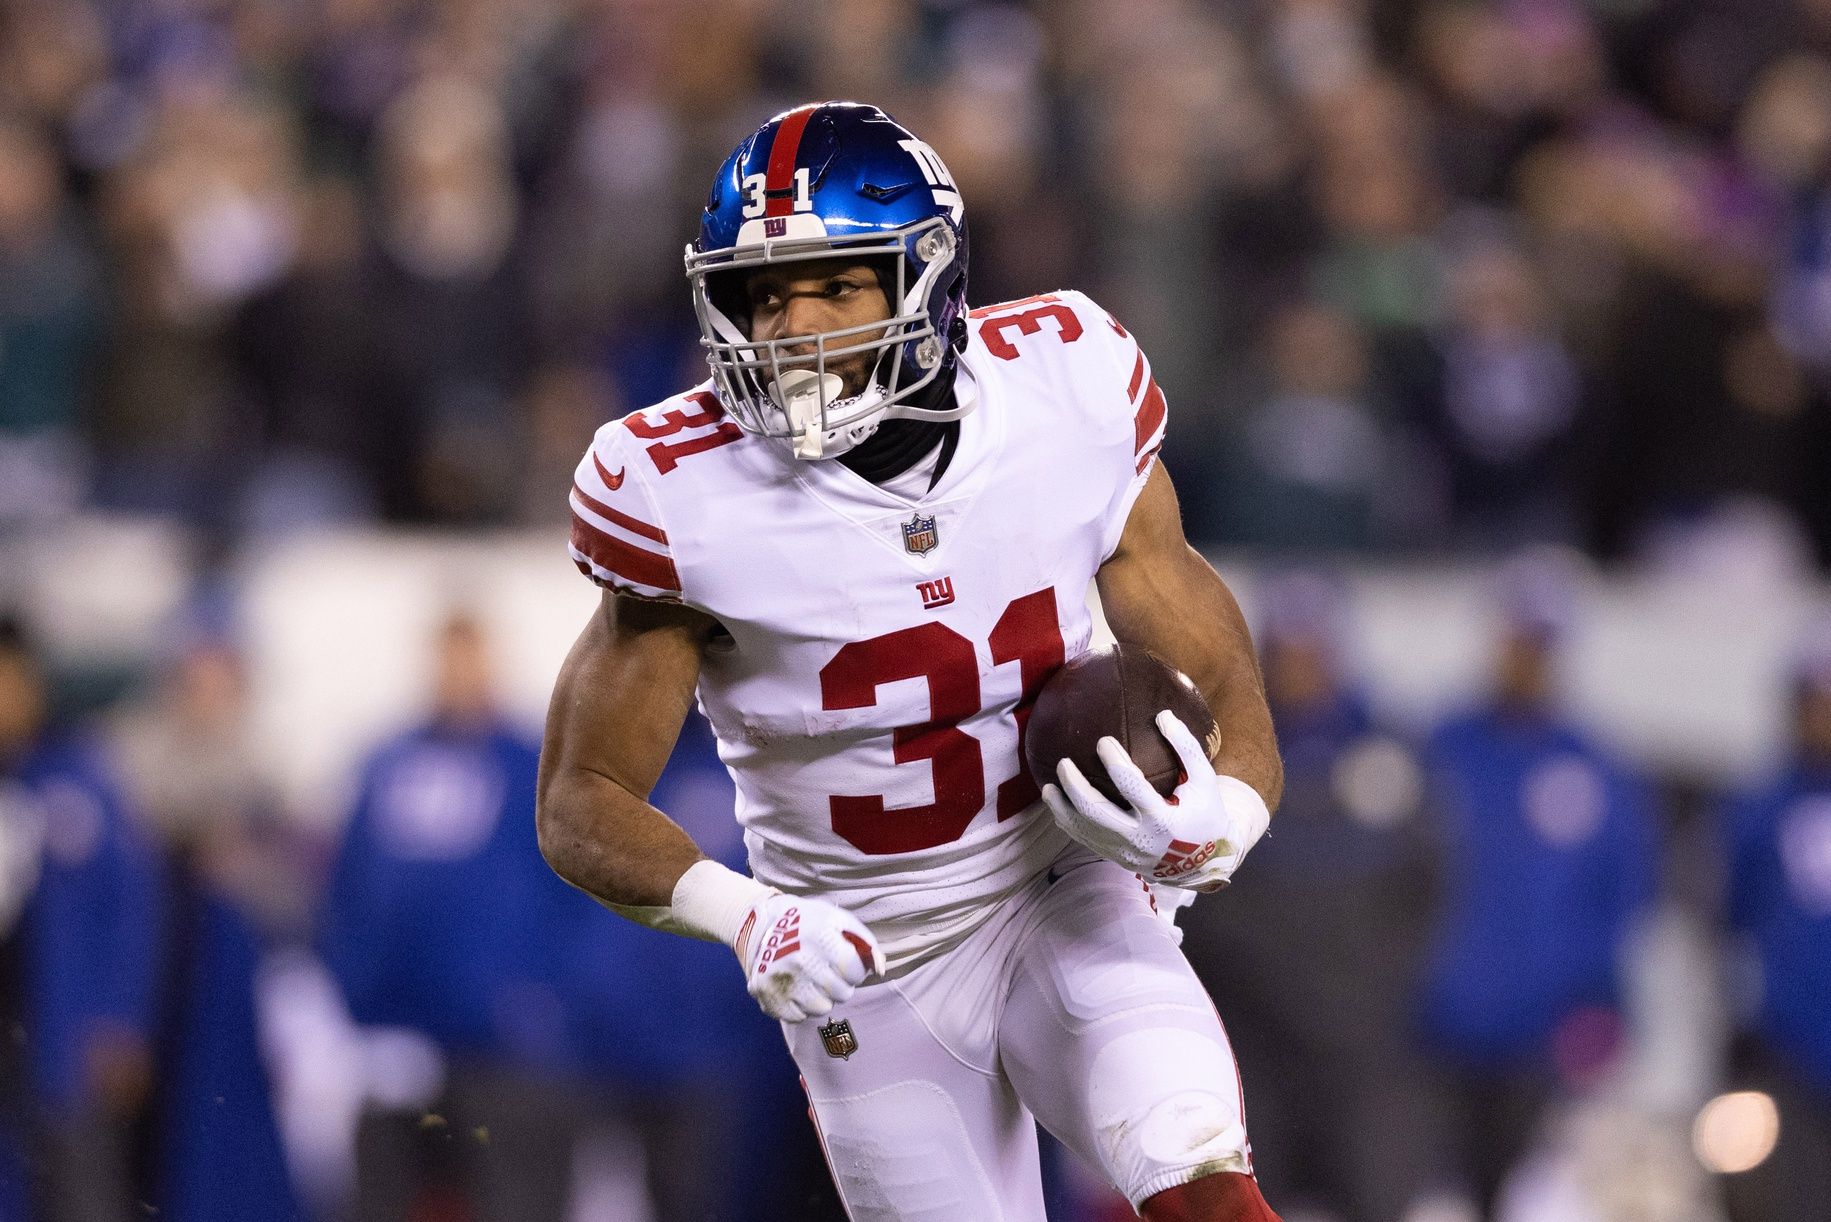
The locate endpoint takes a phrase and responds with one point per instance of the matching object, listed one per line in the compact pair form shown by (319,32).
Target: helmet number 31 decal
(756,199)
(935,172)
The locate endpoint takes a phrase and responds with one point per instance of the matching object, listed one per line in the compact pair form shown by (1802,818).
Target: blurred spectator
(220,1152)
(306,366)
(1508,404)
(199,215)
(79,929)
(1785,133)
(1379,205)
(1330,921)
(49,303)
(1502,75)
(433,924)
(1779,899)
(449,304)
(233,885)
(1548,848)
(186,747)
(1313,470)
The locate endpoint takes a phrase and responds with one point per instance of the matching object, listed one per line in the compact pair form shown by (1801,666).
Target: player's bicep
(624,692)
(1158,592)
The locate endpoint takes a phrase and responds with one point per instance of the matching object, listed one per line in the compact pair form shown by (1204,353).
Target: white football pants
(1072,1005)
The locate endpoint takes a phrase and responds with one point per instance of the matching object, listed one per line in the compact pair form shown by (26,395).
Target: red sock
(1225,1196)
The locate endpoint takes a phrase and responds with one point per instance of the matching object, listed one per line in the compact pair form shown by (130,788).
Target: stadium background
(1480,322)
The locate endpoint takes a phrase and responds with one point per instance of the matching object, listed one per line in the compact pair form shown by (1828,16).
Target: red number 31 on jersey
(1027,633)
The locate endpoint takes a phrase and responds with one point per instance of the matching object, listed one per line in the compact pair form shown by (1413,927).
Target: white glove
(801,956)
(804,956)
(1194,839)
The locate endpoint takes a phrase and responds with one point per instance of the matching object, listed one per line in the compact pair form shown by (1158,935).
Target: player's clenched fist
(801,956)
(804,956)
(1193,839)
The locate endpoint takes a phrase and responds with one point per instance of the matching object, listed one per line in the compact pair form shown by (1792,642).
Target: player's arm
(616,713)
(1158,592)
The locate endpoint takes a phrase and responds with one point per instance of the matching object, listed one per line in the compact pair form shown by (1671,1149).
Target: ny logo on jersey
(920,536)
(936,594)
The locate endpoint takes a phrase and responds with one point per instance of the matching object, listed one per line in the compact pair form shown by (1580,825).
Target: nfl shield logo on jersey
(919,535)
(838,1038)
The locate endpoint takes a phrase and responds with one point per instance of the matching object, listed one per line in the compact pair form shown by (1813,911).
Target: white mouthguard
(800,393)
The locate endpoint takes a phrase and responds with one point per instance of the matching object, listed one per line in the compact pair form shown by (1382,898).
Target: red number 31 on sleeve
(1025,322)
(667,455)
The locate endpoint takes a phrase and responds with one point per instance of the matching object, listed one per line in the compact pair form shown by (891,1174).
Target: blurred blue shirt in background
(1780,895)
(1549,852)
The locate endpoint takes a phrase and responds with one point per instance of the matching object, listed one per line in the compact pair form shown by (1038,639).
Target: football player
(864,544)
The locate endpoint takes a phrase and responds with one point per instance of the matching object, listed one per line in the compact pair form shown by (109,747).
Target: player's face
(826,295)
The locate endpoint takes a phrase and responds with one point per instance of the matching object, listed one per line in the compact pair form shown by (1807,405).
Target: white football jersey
(883,652)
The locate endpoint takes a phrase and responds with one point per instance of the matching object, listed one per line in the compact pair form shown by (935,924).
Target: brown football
(1116,691)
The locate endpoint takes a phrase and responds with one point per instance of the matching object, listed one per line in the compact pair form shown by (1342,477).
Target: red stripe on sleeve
(1131,392)
(780,176)
(1150,415)
(626,560)
(634,526)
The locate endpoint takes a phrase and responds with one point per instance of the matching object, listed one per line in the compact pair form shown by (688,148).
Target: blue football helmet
(838,178)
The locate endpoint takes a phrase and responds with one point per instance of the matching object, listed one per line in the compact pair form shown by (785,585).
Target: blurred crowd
(1420,275)
(210,1014)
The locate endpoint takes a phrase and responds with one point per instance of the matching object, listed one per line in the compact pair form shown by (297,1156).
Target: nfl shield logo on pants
(919,535)
(838,1038)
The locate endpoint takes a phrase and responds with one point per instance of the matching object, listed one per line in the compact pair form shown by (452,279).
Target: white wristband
(711,901)
(1246,811)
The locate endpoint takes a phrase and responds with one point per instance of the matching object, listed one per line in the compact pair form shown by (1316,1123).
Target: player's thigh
(1110,1039)
(912,1132)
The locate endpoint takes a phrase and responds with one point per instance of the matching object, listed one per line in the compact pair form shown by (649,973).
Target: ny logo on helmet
(946,194)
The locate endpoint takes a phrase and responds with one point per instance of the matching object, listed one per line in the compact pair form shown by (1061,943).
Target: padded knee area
(1194,1126)
(1163,1105)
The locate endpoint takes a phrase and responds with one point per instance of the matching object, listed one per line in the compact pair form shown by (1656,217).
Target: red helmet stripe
(779,181)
